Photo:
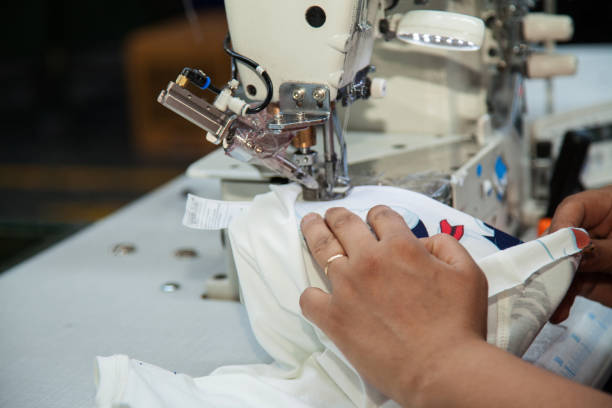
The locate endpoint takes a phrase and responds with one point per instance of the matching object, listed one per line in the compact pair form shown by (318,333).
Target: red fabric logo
(455,231)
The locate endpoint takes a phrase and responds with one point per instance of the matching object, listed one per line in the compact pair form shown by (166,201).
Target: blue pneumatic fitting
(206,83)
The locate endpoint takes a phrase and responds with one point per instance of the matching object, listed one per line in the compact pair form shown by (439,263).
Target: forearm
(481,375)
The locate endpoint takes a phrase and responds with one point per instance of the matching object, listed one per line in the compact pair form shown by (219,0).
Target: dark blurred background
(82,133)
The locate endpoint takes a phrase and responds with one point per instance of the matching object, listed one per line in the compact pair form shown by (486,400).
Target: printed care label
(202,213)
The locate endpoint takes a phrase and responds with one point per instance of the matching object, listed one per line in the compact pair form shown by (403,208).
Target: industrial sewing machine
(450,126)
(315,58)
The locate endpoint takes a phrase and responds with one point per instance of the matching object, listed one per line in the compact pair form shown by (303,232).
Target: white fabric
(274,268)
(504,269)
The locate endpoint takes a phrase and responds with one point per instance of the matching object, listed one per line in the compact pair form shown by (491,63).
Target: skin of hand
(410,315)
(591,210)
(396,301)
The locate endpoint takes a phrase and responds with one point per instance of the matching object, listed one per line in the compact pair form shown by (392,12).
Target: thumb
(315,306)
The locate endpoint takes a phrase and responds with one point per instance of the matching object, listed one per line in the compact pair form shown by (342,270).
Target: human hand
(402,310)
(591,210)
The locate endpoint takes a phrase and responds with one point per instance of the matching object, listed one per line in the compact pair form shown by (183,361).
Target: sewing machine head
(293,64)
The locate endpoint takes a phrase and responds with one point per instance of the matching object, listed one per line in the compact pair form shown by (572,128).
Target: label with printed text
(206,214)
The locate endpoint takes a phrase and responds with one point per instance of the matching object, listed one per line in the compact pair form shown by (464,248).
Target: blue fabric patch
(502,240)
(419,230)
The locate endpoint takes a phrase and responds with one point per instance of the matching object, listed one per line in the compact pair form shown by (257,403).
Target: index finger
(570,213)
(588,210)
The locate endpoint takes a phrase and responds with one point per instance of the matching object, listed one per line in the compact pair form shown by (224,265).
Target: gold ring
(332,259)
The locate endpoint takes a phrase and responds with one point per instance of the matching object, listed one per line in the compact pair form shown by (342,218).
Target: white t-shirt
(527,281)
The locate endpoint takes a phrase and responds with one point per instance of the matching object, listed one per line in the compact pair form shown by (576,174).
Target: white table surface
(78,300)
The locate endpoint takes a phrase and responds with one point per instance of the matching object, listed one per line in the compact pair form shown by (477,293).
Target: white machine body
(279,36)
(429,91)
(435,91)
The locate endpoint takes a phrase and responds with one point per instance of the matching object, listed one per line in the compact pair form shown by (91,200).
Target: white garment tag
(206,214)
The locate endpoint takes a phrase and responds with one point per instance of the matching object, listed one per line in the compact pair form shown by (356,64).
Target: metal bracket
(301,105)
(362,17)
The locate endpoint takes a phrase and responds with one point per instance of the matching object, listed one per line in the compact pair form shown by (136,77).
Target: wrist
(476,374)
(436,383)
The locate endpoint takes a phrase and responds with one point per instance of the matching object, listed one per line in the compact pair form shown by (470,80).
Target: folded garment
(526,280)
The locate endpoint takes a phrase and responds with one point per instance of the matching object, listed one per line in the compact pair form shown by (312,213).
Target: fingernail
(582,238)
(308,218)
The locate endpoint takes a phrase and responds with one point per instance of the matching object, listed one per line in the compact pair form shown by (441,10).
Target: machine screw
(319,94)
(185,253)
(298,95)
(300,116)
(305,159)
(170,287)
(123,249)
(278,118)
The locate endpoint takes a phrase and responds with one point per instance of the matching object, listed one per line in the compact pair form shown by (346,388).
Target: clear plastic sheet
(253,143)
